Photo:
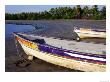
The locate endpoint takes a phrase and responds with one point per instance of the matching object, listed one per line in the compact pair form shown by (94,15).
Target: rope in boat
(21,57)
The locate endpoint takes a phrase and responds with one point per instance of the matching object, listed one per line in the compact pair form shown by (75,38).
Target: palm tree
(78,12)
(103,12)
(86,12)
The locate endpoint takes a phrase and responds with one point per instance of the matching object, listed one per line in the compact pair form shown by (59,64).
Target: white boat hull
(87,34)
(70,60)
(68,63)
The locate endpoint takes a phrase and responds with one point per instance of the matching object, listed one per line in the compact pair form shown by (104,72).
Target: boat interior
(83,47)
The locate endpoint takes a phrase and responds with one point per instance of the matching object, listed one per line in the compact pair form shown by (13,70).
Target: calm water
(62,28)
(10,28)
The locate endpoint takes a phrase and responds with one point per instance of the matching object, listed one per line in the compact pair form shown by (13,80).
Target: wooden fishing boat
(88,33)
(88,57)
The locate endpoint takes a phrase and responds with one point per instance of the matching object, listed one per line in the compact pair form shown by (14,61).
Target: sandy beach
(56,28)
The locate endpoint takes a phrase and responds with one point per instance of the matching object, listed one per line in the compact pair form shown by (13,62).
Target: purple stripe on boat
(56,51)
(97,30)
(80,53)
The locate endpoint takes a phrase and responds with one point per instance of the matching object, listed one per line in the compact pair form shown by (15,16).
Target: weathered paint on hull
(65,62)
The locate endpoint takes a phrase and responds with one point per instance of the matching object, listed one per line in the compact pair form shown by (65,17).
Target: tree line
(62,13)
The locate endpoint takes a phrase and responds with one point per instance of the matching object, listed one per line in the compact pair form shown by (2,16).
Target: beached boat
(71,54)
(89,33)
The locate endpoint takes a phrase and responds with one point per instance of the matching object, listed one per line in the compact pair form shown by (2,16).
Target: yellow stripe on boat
(27,43)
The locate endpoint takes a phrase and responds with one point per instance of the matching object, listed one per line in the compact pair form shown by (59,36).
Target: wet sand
(37,65)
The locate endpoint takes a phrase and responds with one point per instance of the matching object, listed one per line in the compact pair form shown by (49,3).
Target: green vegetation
(62,13)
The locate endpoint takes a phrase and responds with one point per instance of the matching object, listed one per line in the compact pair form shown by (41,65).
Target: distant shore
(30,21)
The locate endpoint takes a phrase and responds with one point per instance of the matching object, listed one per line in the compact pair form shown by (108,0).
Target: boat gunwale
(65,50)
(74,52)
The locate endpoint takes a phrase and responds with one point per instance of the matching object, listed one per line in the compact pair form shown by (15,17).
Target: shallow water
(53,25)
(10,28)
(52,28)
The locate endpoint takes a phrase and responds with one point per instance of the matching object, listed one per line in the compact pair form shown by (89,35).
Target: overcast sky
(36,8)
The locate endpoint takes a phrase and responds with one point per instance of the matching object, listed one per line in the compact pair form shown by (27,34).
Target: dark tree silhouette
(61,13)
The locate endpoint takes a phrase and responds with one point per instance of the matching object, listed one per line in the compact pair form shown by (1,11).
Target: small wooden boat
(88,33)
(88,57)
